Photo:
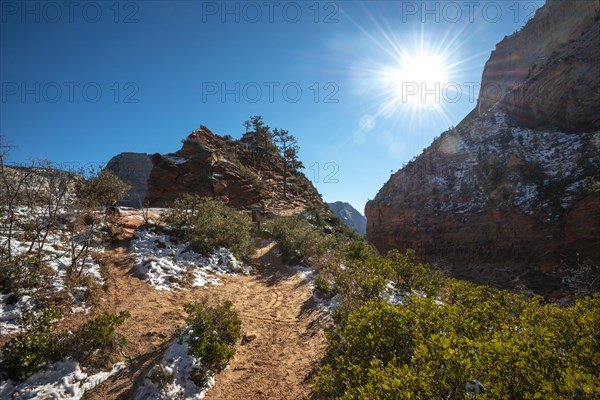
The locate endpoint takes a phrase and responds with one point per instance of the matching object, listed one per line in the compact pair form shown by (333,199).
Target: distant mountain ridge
(349,216)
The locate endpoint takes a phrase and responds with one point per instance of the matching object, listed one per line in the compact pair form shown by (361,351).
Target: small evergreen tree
(287,144)
(247,124)
(262,139)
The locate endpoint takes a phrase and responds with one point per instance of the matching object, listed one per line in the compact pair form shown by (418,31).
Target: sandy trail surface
(283,328)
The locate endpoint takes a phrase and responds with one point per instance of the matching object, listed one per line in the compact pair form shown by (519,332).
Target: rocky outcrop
(134,169)
(508,197)
(547,74)
(349,216)
(240,173)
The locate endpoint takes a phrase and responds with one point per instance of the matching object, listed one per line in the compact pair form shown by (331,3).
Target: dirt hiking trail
(282,329)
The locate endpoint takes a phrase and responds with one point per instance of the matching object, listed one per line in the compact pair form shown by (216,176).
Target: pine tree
(288,148)
(262,139)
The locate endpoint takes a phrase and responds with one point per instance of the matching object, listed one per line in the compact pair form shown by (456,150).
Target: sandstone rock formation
(547,74)
(133,168)
(349,216)
(508,197)
(239,173)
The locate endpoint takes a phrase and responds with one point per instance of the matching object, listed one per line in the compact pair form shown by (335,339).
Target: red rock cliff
(547,74)
(509,194)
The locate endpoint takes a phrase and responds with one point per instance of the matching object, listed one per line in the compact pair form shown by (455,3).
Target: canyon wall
(510,197)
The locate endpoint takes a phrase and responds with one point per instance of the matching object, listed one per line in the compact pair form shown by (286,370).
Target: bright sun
(415,78)
(423,69)
(418,79)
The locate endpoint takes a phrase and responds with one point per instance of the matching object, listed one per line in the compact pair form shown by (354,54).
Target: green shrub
(358,250)
(208,224)
(363,279)
(33,348)
(513,346)
(315,215)
(299,241)
(592,184)
(369,338)
(23,272)
(294,189)
(408,275)
(213,332)
(246,173)
(325,285)
(96,342)
(360,274)
(102,187)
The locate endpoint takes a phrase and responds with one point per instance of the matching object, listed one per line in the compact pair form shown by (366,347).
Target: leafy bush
(23,272)
(371,337)
(208,224)
(101,188)
(409,275)
(33,348)
(360,274)
(213,332)
(325,285)
(363,280)
(245,172)
(592,184)
(298,240)
(96,342)
(316,216)
(294,189)
(478,338)
(93,344)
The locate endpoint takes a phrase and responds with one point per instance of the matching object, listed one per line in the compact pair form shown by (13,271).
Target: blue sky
(364,86)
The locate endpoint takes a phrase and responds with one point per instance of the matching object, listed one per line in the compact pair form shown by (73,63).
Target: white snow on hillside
(170,379)
(525,165)
(168,265)
(63,380)
(56,255)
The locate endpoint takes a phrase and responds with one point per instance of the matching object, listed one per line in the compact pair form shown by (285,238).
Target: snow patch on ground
(175,368)
(63,380)
(167,265)
(9,313)
(327,305)
(304,272)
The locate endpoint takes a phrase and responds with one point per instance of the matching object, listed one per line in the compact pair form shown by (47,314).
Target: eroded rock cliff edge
(510,196)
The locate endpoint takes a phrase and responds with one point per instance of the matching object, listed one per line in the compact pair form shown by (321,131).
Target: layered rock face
(133,168)
(547,74)
(349,216)
(508,197)
(236,172)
